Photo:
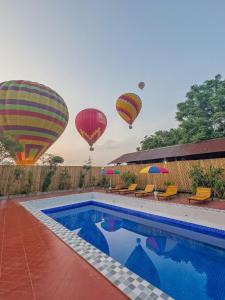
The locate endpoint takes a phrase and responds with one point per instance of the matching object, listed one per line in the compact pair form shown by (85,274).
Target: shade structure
(154,170)
(109,172)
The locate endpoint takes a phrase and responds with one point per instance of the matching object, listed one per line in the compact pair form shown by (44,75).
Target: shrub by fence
(34,176)
(178,173)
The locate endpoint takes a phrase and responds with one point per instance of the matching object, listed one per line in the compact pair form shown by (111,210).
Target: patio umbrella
(111,223)
(154,170)
(109,172)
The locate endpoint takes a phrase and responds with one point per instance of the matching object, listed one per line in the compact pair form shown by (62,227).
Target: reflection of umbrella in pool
(92,234)
(109,172)
(154,170)
(140,263)
(160,244)
(111,223)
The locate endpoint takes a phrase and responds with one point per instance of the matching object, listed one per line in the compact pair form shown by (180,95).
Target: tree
(9,147)
(86,168)
(201,116)
(51,162)
(161,138)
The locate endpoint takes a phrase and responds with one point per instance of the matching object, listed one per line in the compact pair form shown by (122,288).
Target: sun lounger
(132,187)
(149,189)
(202,194)
(170,192)
(116,188)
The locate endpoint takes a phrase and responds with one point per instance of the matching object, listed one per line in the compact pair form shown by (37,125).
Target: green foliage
(86,168)
(168,183)
(93,181)
(64,180)
(201,116)
(128,178)
(28,186)
(9,146)
(81,180)
(51,162)
(103,182)
(212,177)
(160,139)
(17,173)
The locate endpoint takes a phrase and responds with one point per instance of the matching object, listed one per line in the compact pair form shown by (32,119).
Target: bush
(64,180)
(128,178)
(168,183)
(103,182)
(212,177)
(52,162)
(81,180)
(26,189)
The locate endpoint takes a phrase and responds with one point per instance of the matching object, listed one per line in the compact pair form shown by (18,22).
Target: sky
(92,51)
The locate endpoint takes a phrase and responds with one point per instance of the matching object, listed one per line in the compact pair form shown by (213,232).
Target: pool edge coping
(129,283)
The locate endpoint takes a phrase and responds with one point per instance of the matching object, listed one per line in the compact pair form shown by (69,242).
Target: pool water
(181,267)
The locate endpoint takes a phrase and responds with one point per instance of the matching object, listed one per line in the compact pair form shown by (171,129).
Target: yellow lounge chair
(116,188)
(132,187)
(149,189)
(202,194)
(170,192)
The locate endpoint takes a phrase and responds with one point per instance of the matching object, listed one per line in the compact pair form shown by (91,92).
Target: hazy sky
(91,51)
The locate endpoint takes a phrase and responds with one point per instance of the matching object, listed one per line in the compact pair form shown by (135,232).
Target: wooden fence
(178,174)
(9,184)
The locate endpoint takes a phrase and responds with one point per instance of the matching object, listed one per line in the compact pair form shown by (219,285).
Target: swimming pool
(182,267)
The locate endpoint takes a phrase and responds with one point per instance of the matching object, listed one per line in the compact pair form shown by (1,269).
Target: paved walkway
(35,264)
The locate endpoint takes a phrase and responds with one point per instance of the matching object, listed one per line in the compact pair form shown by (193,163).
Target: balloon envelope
(33,114)
(91,123)
(128,107)
(141,85)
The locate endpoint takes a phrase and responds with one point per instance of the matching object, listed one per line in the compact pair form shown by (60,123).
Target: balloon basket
(130,126)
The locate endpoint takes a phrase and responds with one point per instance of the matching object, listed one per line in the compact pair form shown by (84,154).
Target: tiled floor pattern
(129,283)
(35,264)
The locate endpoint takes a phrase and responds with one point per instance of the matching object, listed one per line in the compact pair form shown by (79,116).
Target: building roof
(181,151)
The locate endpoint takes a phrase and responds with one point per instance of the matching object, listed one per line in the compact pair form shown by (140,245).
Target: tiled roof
(182,150)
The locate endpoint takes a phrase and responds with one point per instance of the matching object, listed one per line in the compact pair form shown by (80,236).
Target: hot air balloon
(141,85)
(128,106)
(33,114)
(91,123)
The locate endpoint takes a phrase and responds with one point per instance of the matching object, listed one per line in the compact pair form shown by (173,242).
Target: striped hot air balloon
(91,123)
(32,113)
(128,106)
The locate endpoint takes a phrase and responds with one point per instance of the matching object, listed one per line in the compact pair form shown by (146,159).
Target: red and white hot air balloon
(91,123)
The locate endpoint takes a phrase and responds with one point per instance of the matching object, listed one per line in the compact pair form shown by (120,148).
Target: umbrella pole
(155,184)
(110,185)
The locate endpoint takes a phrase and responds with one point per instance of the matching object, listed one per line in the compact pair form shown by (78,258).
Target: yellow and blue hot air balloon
(128,106)
(33,114)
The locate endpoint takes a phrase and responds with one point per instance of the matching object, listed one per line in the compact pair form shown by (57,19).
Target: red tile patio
(35,264)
